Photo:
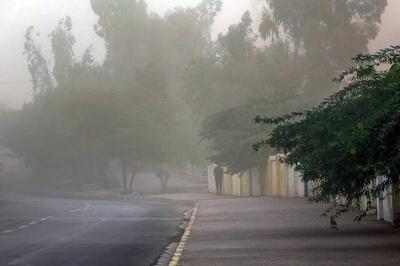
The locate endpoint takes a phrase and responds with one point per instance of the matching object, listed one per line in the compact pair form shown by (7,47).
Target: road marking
(182,243)
(86,206)
(26,225)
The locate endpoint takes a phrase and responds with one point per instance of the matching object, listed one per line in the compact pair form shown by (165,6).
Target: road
(51,231)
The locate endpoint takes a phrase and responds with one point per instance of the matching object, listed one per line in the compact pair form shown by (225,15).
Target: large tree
(326,34)
(232,132)
(146,55)
(56,134)
(351,138)
(306,43)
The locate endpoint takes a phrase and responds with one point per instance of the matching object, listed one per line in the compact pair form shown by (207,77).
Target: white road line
(26,225)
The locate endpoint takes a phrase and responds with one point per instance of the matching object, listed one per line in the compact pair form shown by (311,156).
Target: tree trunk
(164,181)
(131,182)
(124,178)
(135,169)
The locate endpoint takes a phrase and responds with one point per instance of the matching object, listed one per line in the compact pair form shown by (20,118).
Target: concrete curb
(188,202)
(182,243)
(171,201)
(169,251)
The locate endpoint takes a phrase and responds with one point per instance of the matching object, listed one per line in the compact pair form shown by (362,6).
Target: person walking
(218,175)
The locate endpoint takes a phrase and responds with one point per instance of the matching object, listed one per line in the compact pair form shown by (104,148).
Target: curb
(182,243)
(171,201)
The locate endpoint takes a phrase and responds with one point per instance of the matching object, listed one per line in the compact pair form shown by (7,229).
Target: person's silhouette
(218,175)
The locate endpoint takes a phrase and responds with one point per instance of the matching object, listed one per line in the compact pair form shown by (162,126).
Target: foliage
(62,42)
(54,134)
(163,75)
(37,64)
(324,33)
(231,133)
(145,56)
(307,43)
(352,137)
(130,108)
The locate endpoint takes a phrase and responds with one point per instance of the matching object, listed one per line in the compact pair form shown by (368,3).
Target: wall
(255,181)
(280,179)
(245,184)
(273,178)
(388,204)
(227,183)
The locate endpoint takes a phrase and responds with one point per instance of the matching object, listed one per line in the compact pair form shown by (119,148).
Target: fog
(163,87)
(116,116)
(16,16)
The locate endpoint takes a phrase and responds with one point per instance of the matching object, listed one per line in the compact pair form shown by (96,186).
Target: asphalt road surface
(49,231)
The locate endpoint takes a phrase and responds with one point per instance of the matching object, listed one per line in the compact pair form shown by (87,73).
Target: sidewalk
(284,231)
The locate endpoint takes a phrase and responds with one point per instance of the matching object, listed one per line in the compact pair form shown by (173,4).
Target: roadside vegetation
(351,138)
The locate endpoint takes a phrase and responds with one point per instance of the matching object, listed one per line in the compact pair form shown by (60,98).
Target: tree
(220,79)
(124,25)
(143,129)
(325,34)
(130,108)
(62,42)
(163,175)
(37,64)
(58,133)
(231,133)
(231,87)
(146,55)
(311,40)
(306,43)
(351,138)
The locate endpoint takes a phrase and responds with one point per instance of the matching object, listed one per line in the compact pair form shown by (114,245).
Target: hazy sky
(17,15)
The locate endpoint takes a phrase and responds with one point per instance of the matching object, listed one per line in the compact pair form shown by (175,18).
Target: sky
(17,15)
